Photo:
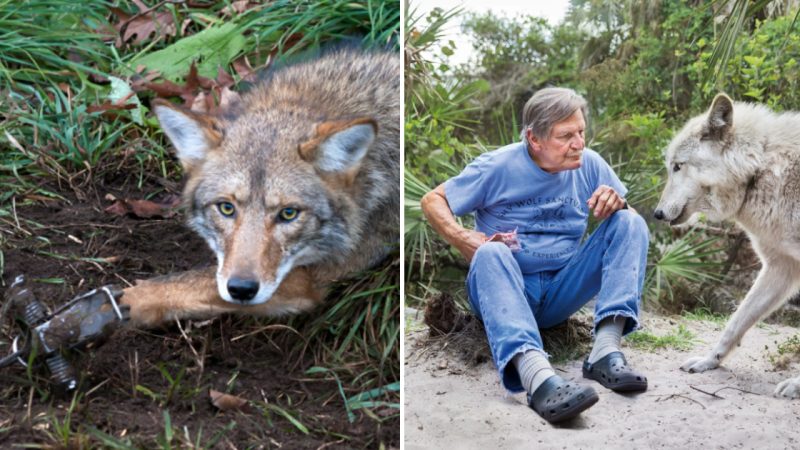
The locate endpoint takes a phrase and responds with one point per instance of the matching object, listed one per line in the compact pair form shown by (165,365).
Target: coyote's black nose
(659,214)
(242,290)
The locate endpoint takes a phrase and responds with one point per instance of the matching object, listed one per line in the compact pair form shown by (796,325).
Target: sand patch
(449,403)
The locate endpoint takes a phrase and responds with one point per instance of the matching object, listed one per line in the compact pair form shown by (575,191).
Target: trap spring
(85,321)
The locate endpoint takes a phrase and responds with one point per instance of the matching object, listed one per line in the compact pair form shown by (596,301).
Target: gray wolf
(741,161)
(294,185)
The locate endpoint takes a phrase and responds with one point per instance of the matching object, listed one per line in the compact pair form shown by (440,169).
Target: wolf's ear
(339,145)
(720,117)
(192,134)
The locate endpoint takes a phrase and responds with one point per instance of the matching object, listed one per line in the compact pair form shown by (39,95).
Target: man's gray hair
(549,106)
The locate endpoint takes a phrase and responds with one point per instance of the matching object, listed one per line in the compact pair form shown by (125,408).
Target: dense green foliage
(645,68)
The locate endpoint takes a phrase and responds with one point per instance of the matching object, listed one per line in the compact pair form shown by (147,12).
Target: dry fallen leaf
(144,209)
(109,106)
(227,402)
(96,78)
(223,78)
(138,28)
(238,7)
(118,208)
(163,89)
(200,94)
(243,68)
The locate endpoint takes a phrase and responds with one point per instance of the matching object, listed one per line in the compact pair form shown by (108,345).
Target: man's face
(563,149)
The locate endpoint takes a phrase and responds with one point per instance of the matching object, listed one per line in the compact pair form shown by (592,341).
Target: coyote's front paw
(147,306)
(788,388)
(699,364)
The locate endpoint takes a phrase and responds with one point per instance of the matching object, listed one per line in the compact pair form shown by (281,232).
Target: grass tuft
(357,336)
(788,352)
(680,339)
(704,314)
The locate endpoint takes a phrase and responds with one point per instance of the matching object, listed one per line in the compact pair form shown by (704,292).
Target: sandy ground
(451,405)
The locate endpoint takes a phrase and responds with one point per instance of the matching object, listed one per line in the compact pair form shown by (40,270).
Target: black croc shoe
(613,372)
(557,400)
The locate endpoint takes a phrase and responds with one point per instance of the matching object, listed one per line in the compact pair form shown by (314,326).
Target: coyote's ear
(339,145)
(192,134)
(720,117)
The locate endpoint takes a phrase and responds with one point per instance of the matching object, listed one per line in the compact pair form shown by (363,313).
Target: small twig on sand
(16,218)
(714,394)
(92,390)
(683,397)
(30,406)
(123,279)
(329,444)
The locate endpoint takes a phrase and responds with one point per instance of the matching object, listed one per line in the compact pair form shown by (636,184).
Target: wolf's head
(268,190)
(706,168)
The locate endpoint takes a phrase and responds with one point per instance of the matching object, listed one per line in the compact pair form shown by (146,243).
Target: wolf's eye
(226,209)
(676,167)
(288,214)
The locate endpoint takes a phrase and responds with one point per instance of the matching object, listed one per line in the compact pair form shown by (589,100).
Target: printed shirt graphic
(507,191)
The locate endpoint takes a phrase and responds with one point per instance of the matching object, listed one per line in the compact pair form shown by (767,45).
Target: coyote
(295,184)
(742,161)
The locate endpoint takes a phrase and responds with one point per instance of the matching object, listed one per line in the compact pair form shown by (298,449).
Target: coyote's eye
(226,209)
(288,214)
(676,167)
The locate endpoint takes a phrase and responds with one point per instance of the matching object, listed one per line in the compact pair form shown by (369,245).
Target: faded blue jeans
(610,263)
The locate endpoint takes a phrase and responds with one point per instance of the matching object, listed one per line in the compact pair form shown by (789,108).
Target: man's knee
(491,252)
(631,223)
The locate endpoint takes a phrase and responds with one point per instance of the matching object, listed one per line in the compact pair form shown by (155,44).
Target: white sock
(607,337)
(534,369)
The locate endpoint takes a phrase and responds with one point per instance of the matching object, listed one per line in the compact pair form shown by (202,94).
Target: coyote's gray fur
(295,185)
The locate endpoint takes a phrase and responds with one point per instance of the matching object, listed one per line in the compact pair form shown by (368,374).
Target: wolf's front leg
(193,294)
(774,284)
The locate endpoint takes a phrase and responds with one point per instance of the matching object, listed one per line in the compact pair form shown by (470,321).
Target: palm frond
(741,11)
(417,232)
(691,258)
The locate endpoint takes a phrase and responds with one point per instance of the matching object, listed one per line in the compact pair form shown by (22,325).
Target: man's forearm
(437,211)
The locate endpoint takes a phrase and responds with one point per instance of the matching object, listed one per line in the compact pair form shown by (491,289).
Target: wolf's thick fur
(741,161)
(295,185)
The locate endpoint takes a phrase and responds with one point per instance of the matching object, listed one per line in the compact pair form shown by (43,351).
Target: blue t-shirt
(507,190)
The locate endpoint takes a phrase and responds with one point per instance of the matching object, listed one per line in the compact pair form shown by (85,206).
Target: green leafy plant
(787,352)
(689,258)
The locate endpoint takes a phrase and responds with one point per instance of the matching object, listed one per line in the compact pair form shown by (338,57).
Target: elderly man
(530,269)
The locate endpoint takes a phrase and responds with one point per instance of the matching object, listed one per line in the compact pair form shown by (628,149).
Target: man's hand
(605,201)
(469,244)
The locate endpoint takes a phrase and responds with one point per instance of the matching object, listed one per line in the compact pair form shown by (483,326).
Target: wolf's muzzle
(242,290)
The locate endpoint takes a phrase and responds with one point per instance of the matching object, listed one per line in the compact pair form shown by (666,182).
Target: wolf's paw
(699,364)
(788,388)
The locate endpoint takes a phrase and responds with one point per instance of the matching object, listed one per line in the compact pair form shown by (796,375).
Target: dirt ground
(449,403)
(227,354)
